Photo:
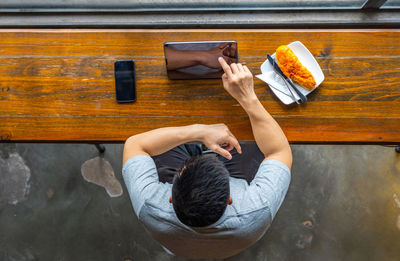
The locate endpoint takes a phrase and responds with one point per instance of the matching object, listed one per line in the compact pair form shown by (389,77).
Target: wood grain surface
(58,85)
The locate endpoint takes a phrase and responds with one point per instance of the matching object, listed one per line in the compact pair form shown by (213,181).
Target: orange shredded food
(292,67)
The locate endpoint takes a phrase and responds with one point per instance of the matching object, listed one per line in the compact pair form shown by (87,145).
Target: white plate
(278,86)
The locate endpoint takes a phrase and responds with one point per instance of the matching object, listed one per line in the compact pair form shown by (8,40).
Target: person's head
(200,192)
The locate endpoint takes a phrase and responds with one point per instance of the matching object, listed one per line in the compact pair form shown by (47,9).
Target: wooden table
(58,85)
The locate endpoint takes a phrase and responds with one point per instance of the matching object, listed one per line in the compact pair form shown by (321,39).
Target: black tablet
(198,60)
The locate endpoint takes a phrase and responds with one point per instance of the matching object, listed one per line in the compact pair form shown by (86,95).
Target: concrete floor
(343,204)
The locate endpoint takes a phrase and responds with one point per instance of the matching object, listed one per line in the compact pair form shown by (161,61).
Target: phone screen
(125,84)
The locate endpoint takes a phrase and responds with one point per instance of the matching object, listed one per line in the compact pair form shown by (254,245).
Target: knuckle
(214,147)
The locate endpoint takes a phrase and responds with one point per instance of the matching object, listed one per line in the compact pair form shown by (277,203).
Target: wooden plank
(25,79)
(55,84)
(118,128)
(149,43)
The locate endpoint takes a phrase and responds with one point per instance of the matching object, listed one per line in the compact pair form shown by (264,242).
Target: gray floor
(343,204)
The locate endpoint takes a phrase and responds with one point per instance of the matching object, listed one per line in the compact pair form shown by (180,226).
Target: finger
(234,68)
(235,143)
(246,69)
(225,66)
(224,153)
(229,147)
(240,67)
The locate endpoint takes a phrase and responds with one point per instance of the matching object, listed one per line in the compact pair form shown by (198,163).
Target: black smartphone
(125,82)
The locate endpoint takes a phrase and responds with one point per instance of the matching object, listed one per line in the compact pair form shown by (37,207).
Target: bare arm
(177,59)
(181,59)
(160,140)
(238,81)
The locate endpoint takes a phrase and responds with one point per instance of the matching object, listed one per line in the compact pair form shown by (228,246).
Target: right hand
(238,81)
(217,135)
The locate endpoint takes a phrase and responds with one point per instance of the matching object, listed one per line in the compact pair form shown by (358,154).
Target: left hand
(217,135)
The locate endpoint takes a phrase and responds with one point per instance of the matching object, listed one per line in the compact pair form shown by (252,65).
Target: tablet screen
(198,60)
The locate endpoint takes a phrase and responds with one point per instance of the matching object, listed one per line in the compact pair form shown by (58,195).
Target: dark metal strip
(254,19)
(373,4)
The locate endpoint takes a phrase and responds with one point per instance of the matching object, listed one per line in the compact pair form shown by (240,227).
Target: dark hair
(201,193)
